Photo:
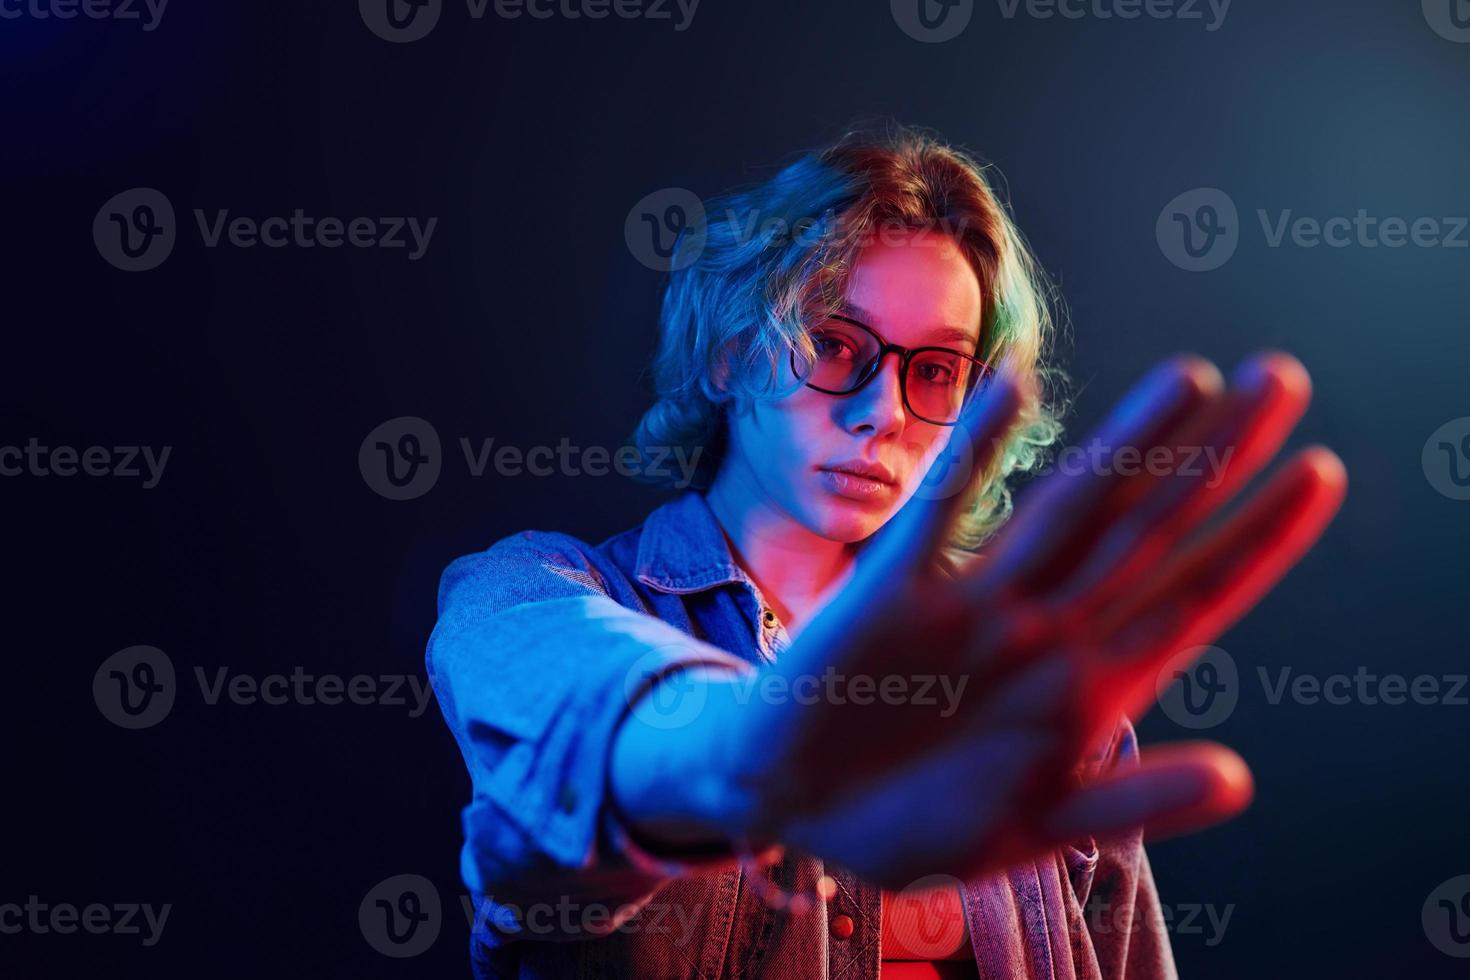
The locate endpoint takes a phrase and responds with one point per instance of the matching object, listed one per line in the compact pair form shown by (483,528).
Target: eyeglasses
(936,382)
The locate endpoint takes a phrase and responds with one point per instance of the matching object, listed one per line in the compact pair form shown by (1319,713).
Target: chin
(840,520)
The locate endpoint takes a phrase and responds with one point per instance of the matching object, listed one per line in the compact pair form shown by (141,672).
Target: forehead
(915,287)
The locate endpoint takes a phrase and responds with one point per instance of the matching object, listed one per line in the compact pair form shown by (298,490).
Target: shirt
(541,642)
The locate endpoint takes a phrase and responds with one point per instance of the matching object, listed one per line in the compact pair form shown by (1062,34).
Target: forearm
(671,775)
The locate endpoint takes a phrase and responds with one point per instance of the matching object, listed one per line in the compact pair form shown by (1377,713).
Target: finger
(1269,394)
(1204,592)
(913,537)
(1176,789)
(1060,516)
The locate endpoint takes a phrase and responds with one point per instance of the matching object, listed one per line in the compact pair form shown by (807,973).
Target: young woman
(798,723)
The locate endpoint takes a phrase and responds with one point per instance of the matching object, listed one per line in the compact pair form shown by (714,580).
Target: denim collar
(683,549)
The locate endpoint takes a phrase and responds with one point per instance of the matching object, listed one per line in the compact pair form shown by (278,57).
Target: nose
(877,407)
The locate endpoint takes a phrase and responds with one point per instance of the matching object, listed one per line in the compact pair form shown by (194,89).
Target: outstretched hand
(1098,582)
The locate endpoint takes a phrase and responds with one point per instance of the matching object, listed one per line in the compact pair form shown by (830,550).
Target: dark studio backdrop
(262,547)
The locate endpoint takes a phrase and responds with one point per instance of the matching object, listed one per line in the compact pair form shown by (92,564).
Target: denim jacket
(540,641)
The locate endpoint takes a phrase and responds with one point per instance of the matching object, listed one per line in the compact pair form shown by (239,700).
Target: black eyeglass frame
(905,355)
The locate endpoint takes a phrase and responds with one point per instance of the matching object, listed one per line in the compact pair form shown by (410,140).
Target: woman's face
(915,289)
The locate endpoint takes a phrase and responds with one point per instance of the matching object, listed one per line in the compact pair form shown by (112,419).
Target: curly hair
(768,258)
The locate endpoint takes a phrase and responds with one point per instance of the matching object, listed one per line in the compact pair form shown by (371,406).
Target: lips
(869,471)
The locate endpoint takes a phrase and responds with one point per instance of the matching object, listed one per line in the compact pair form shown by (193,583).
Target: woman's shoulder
(536,563)
(527,565)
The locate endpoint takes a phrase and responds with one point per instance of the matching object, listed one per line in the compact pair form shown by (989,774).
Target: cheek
(804,419)
(922,445)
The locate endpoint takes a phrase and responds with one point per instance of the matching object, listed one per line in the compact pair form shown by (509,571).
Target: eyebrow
(937,334)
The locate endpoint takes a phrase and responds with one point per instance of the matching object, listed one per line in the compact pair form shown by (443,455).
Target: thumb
(1177,789)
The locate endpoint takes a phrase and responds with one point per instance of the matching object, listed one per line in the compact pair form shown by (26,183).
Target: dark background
(529,319)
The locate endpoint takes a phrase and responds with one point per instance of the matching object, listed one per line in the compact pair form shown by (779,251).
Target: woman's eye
(830,348)
(934,374)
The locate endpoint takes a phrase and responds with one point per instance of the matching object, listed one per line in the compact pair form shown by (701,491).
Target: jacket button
(567,800)
(842,926)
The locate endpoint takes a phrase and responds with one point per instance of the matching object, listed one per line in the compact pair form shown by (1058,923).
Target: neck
(792,566)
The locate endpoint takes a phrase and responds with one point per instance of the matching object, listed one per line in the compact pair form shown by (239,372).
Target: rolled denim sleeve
(534,665)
